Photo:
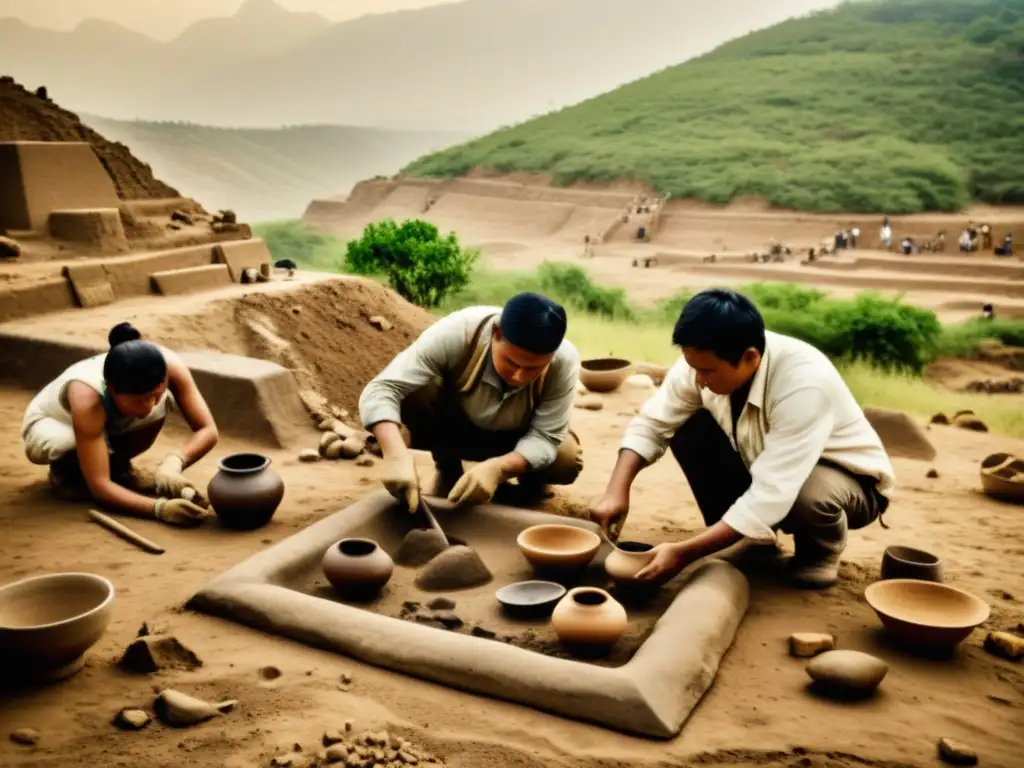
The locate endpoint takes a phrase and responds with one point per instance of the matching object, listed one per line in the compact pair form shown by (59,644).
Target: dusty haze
(163,19)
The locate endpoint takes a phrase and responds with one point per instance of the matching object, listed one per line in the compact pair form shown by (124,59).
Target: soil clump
(457,567)
(419,547)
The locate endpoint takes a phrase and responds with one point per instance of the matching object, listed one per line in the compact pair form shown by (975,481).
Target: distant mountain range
(470,66)
(266,174)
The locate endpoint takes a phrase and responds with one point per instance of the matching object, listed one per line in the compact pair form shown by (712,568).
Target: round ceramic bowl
(924,614)
(556,546)
(910,563)
(530,599)
(605,374)
(1002,477)
(47,623)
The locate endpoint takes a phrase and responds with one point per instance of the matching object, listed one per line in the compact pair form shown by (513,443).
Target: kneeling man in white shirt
(768,436)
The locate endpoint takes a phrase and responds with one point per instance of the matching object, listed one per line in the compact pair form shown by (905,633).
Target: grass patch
(891,106)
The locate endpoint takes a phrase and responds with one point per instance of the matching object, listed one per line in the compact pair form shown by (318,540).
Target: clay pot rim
(619,363)
(624,547)
(575,593)
(594,541)
(983,609)
(374,546)
(102,581)
(911,555)
(264,463)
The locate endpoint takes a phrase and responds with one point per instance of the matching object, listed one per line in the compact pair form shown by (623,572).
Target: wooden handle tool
(125,533)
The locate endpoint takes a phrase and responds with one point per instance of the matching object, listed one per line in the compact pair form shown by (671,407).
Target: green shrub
(573,286)
(420,264)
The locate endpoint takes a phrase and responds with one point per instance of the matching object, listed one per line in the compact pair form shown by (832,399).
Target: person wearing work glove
(491,385)
(92,420)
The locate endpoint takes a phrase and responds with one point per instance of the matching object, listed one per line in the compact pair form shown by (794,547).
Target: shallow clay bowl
(1002,477)
(911,563)
(924,614)
(47,623)
(556,546)
(605,374)
(530,599)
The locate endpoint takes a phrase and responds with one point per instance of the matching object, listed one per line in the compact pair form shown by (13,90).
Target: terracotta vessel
(1002,477)
(588,616)
(627,560)
(605,374)
(926,615)
(555,546)
(245,493)
(910,563)
(47,623)
(357,568)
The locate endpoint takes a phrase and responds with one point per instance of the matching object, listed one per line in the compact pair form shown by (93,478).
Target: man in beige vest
(485,384)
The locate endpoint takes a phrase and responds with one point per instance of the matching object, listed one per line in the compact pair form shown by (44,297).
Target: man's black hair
(723,322)
(533,322)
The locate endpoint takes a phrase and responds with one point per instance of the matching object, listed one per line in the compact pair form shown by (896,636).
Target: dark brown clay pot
(357,568)
(910,563)
(245,493)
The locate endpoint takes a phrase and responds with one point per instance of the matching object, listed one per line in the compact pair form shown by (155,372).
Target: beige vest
(518,412)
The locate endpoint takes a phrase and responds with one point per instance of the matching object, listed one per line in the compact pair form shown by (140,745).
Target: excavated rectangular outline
(651,695)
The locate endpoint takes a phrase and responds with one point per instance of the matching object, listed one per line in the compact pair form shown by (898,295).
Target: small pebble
(337,753)
(283,761)
(441,604)
(484,633)
(346,678)
(132,719)
(25,736)
(850,671)
(957,753)
(381,323)
(349,725)
(589,404)
(804,645)
(1005,644)
(932,474)
(365,461)
(333,737)
(309,455)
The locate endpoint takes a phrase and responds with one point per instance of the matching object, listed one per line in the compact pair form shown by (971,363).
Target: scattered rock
(309,455)
(847,671)
(457,567)
(939,418)
(333,737)
(410,606)
(250,275)
(441,620)
(407,758)
(804,645)
(932,474)
(484,633)
(129,719)
(9,249)
(154,653)
(589,403)
(419,547)
(327,439)
(338,753)
(348,448)
(957,753)
(183,217)
(226,216)
(27,737)
(349,725)
(381,323)
(640,381)
(967,420)
(269,673)
(346,678)
(283,761)
(441,604)
(1005,644)
(179,710)
(365,461)
(900,434)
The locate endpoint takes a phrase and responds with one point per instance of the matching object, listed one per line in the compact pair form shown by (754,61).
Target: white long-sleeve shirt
(799,411)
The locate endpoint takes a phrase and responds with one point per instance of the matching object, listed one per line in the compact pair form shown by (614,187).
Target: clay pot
(605,374)
(1002,477)
(588,616)
(357,568)
(47,623)
(910,563)
(925,615)
(555,546)
(625,562)
(245,493)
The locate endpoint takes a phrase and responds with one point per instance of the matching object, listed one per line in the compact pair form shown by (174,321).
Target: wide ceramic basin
(926,614)
(554,545)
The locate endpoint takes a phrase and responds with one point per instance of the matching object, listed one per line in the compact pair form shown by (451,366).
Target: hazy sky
(164,19)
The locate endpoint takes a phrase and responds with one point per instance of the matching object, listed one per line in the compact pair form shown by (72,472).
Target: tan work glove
(479,485)
(178,512)
(398,474)
(169,480)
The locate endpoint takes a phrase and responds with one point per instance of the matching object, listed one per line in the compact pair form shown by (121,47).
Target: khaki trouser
(434,422)
(831,501)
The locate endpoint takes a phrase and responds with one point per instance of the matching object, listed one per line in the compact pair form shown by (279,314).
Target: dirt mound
(900,434)
(24,116)
(324,335)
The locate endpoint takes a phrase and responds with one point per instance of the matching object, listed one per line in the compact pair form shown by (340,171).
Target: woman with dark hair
(92,420)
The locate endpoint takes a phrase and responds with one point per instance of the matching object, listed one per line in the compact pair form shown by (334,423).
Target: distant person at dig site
(766,431)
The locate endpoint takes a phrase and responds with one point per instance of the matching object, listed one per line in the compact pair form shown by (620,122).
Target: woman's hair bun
(121,333)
